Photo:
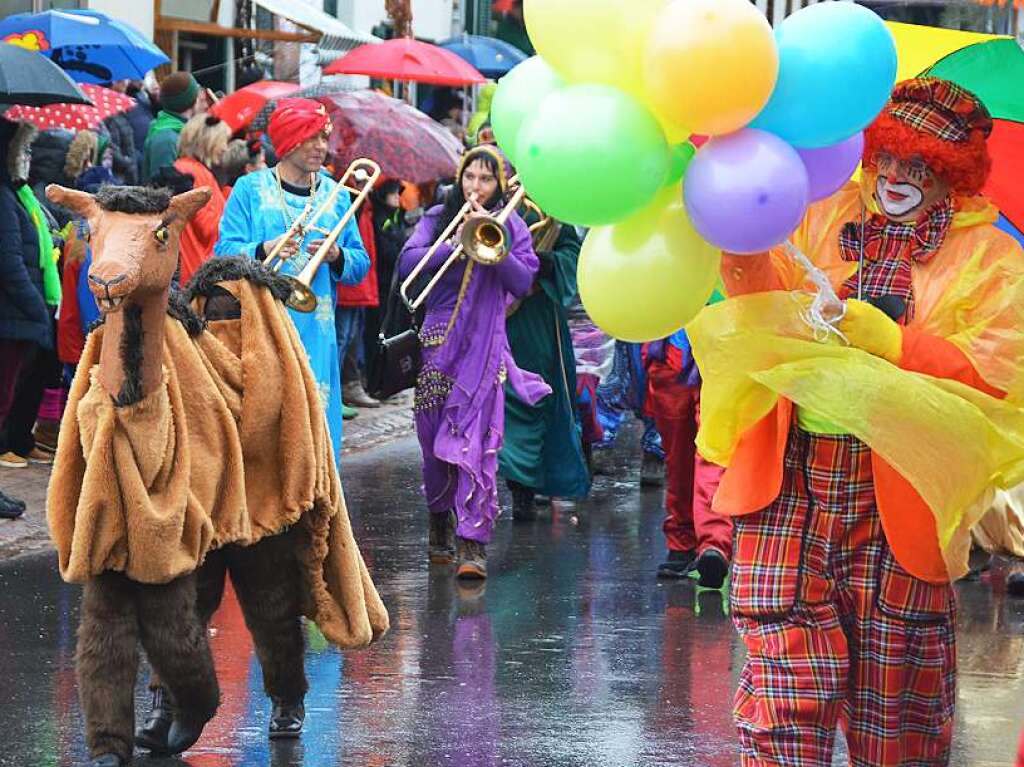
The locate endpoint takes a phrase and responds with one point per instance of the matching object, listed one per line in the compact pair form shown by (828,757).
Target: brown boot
(472,558)
(441,540)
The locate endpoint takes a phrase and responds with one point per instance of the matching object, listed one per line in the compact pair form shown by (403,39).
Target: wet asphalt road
(572,654)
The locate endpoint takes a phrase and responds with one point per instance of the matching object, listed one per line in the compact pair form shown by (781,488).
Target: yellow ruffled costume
(952,443)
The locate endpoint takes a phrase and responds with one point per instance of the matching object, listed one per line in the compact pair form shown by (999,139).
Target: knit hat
(944,124)
(179,91)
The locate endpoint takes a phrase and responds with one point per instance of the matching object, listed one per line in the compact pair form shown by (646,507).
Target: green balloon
(591,155)
(518,96)
(682,154)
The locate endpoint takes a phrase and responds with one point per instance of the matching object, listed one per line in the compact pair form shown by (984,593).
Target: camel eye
(162,235)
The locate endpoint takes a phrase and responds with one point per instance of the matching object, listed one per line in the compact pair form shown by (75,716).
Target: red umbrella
(75,116)
(406,59)
(405,142)
(239,108)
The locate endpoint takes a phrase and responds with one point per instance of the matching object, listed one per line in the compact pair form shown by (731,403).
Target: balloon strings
(826,310)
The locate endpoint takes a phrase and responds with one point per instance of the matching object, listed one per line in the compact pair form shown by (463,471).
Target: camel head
(134,234)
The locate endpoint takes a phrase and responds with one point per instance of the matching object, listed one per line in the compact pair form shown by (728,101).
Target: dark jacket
(49,151)
(122,143)
(140,116)
(23,312)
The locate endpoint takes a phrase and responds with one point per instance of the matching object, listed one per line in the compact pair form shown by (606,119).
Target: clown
(263,206)
(843,533)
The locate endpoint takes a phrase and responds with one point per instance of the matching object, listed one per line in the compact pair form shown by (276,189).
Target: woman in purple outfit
(460,396)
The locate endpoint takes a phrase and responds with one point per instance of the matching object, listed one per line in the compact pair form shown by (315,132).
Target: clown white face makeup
(906,189)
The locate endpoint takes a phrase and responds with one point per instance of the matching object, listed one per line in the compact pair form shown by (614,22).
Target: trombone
(484,240)
(302,298)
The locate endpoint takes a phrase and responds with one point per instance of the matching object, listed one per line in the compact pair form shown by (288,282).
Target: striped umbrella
(991,67)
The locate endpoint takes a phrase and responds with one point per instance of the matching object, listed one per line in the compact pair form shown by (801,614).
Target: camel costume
(230,449)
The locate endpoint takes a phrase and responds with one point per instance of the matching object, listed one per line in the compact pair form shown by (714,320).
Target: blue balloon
(837,67)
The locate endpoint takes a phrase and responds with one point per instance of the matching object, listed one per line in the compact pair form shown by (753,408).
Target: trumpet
(362,171)
(485,240)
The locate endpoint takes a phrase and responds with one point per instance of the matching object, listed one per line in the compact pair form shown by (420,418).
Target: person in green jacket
(543,451)
(180,98)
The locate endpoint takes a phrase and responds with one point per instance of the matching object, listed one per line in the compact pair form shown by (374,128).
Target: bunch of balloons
(597,126)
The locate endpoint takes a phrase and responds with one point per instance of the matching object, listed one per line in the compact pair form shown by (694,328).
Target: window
(9,7)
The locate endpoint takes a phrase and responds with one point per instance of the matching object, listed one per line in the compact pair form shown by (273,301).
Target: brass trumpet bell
(302,298)
(486,240)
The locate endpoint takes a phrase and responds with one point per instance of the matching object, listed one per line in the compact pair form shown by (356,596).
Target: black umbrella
(26,77)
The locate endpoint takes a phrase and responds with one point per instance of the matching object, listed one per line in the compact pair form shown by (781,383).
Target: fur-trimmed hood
(16,139)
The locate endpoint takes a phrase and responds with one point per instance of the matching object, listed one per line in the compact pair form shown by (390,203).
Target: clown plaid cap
(940,108)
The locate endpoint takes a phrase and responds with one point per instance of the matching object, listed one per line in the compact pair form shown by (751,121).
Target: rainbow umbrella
(991,67)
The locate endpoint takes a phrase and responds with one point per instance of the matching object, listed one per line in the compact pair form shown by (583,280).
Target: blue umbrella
(492,57)
(88,45)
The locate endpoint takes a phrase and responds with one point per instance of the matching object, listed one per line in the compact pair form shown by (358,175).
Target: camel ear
(82,203)
(186,204)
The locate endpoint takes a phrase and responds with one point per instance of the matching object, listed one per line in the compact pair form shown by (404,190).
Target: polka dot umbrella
(75,116)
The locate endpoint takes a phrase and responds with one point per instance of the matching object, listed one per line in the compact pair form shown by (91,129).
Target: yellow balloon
(710,65)
(648,276)
(593,41)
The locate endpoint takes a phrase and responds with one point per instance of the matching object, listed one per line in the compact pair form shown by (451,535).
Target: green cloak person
(543,450)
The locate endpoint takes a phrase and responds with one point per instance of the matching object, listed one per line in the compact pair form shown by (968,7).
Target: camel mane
(133,199)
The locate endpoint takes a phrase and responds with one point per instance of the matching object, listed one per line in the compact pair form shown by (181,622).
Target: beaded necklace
(314,187)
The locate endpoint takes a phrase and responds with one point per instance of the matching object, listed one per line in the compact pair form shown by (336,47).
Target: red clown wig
(939,122)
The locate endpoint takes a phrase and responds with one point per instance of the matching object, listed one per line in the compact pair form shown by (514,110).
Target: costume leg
(439,478)
(210,584)
(672,406)
(177,647)
(791,688)
(267,580)
(786,609)
(713,530)
(106,663)
(209,591)
(903,675)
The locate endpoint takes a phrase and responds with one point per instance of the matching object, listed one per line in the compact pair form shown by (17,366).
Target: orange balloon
(710,65)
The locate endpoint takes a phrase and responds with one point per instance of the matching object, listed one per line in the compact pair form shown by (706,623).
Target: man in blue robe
(263,206)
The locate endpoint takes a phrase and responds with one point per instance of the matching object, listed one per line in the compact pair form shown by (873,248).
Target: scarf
(47,253)
(890,250)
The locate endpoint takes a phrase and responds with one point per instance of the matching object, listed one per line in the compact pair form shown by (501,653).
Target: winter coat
(200,234)
(390,232)
(365,293)
(161,147)
(122,144)
(49,150)
(23,312)
(140,117)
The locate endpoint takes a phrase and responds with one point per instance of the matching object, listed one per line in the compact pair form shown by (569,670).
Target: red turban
(295,121)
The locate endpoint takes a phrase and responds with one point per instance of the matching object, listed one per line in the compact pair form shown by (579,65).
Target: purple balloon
(830,167)
(746,192)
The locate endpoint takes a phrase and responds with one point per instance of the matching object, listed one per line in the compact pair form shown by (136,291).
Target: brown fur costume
(231,451)
(211,459)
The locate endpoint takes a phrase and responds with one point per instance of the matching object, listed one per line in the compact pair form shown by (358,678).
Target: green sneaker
(348,413)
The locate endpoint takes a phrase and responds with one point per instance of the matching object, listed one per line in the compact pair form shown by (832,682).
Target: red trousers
(690,481)
(837,632)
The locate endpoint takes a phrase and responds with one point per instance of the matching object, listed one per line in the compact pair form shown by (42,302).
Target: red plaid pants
(837,632)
